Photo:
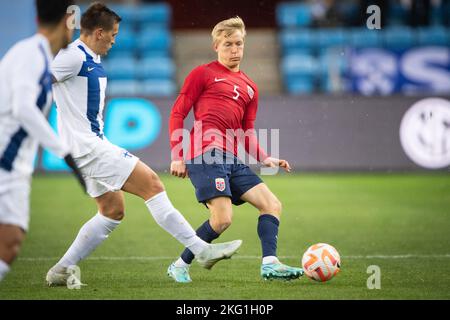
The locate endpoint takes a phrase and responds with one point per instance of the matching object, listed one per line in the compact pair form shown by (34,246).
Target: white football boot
(216,252)
(59,276)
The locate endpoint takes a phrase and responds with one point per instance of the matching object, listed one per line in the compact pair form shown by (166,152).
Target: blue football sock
(268,232)
(204,232)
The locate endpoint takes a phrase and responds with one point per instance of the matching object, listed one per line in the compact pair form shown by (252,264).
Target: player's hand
(274,162)
(76,171)
(178,169)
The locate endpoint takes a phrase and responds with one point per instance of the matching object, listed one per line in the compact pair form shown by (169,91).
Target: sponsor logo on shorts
(220,184)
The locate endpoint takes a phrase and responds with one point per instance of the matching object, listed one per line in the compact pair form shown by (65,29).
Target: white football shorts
(106,168)
(15,201)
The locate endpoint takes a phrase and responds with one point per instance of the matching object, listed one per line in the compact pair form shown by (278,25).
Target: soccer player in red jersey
(225,100)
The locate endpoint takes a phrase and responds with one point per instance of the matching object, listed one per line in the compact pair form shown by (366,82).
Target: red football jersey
(223,101)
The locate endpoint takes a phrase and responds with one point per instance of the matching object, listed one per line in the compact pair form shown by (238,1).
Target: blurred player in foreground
(25,98)
(224,98)
(79,90)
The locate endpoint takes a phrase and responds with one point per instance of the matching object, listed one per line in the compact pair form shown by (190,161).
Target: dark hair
(98,16)
(50,12)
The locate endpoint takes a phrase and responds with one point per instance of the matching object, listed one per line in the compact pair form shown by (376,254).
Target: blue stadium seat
(297,40)
(158,88)
(150,27)
(299,65)
(121,68)
(365,38)
(397,38)
(294,15)
(332,37)
(160,40)
(125,41)
(128,13)
(156,13)
(156,68)
(299,73)
(333,61)
(123,88)
(121,54)
(434,36)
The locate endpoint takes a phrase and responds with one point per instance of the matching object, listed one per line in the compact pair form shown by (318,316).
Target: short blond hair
(228,27)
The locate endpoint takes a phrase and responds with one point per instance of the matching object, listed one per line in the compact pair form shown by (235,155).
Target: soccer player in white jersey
(25,97)
(79,91)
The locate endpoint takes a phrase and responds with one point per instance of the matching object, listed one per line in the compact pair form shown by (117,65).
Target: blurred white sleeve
(26,88)
(67,64)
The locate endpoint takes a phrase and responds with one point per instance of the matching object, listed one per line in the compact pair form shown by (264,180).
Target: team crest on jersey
(220,184)
(251,93)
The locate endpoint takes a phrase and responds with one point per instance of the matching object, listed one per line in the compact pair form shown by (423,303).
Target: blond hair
(228,27)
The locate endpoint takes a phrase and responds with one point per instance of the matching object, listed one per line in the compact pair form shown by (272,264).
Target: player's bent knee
(273,207)
(155,184)
(220,225)
(115,214)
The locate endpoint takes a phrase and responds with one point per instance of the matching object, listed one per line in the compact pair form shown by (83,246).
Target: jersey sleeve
(250,142)
(25,91)
(190,92)
(66,64)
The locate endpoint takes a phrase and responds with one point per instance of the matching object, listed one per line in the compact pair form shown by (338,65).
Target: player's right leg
(11,238)
(269,207)
(212,187)
(221,212)
(110,213)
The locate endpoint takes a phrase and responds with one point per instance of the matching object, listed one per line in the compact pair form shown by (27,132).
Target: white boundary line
(238,257)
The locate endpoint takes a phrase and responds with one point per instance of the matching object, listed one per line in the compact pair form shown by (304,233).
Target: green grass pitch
(399,222)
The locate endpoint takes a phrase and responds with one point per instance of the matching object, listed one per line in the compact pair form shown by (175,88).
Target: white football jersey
(80,97)
(25,99)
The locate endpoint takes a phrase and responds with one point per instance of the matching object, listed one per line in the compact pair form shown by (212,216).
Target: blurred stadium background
(340,88)
(338,93)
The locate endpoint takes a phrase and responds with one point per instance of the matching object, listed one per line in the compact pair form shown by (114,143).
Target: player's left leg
(11,238)
(270,209)
(145,183)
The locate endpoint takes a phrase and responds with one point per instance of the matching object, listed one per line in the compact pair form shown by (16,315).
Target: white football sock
(270,259)
(4,269)
(90,236)
(171,220)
